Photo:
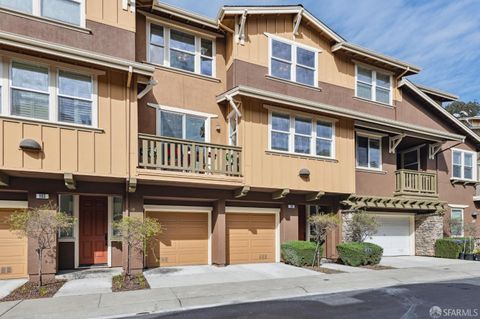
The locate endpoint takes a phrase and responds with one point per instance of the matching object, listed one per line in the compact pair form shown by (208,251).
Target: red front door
(93,223)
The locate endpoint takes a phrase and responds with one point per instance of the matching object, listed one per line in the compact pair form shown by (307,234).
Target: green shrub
(452,247)
(299,253)
(358,254)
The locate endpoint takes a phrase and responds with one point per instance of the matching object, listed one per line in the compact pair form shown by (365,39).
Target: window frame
(369,137)
(462,211)
(37,12)
(291,133)
(373,84)
(166,48)
(402,157)
(207,117)
(462,167)
(53,74)
(293,49)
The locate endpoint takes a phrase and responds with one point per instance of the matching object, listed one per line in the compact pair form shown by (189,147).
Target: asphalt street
(456,299)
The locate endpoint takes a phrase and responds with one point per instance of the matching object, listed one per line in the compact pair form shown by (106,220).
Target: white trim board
(261,210)
(13,204)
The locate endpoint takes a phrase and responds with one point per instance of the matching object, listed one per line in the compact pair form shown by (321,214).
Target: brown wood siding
(72,149)
(183,241)
(250,238)
(13,250)
(276,170)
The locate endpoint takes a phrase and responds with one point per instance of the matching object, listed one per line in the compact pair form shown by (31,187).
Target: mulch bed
(30,290)
(325,270)
(377,267)
(123,282)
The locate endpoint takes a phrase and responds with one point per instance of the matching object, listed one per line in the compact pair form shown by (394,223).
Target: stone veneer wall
(428,228)
(346,234)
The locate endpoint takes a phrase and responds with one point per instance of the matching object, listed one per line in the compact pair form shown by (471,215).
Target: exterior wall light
(31,145)
(304,173)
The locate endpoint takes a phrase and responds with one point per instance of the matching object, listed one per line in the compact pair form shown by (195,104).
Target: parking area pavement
(166,277)
(88,281)
(420,261)
(9,285)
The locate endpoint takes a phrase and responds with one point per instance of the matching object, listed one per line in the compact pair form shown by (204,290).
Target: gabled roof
(440,95)
(184,14)
(285,9)
(426,98)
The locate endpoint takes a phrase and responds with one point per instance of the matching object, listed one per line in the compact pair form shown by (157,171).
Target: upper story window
(182,126)
(292,61)
(301,135)
(38,91)
(373,85)
(464,164)
(181,50)
(369,152)
(68,11)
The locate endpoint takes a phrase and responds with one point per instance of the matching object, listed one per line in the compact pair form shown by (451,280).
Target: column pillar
(219,234)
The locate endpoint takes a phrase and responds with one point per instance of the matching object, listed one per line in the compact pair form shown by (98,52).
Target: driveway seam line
(8,310)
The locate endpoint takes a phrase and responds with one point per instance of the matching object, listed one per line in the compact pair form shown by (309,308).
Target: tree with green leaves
(41,224)
(463,109)
(137,233)
(361,226)
(322,225)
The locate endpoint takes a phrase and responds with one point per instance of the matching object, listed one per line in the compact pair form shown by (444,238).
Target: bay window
(180,50)
(301,135)
(293,62)
(369,150)
(68,11)
(43,92)
(182,126)
(463,165)
(373,85)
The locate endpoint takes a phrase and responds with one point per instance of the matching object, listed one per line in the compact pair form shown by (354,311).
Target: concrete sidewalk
(188,297)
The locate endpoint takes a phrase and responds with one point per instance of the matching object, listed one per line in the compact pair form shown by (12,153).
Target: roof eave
(184,14)
(444,96)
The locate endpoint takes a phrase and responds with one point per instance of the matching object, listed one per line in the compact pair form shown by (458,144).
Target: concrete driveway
(9,285)
(167,277)
(420,261)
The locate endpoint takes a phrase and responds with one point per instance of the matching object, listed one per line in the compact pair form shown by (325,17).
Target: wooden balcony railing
(416,183)
(172,154)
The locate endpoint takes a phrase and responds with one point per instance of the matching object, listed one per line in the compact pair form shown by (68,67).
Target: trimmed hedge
(358,254)
(452,247)
(299,253)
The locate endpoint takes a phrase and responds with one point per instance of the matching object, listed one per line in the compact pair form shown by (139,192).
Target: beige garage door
(13,250)
(250,238)
(183,241)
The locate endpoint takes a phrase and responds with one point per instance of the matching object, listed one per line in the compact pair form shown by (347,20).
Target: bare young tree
(322,225)
(41,224)
(136,233)
(361,226)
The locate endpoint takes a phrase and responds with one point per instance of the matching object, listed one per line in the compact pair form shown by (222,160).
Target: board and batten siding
(70,149)
(332,68)
(277,170)
(110,12)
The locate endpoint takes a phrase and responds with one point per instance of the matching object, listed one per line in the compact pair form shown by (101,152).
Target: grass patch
(30,290)
(123,282)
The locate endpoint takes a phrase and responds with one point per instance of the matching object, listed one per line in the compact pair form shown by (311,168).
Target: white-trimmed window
(68,11)
(292,61)
(66,206)
(300,134)
(456,223)
(233,129)
(373,85)
(180,50)
(44,92)
(464,164)
(182,126)
(117,215)
(369,152)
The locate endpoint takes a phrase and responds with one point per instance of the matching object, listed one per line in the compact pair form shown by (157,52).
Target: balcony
(185,156)
(414,183)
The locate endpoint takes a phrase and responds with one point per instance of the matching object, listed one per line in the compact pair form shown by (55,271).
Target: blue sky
(441,36)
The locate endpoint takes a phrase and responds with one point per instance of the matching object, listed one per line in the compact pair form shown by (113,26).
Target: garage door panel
(183,241)
(393,235)
(13,250)
(250,238)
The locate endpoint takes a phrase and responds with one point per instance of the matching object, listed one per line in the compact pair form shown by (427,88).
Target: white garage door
(395,235)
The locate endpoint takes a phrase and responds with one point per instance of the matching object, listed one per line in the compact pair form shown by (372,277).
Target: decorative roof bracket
(394,141)
(234,105)
(433,149)
(240,35)
(296,22)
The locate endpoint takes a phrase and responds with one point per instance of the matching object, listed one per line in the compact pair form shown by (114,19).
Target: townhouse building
(230,131)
